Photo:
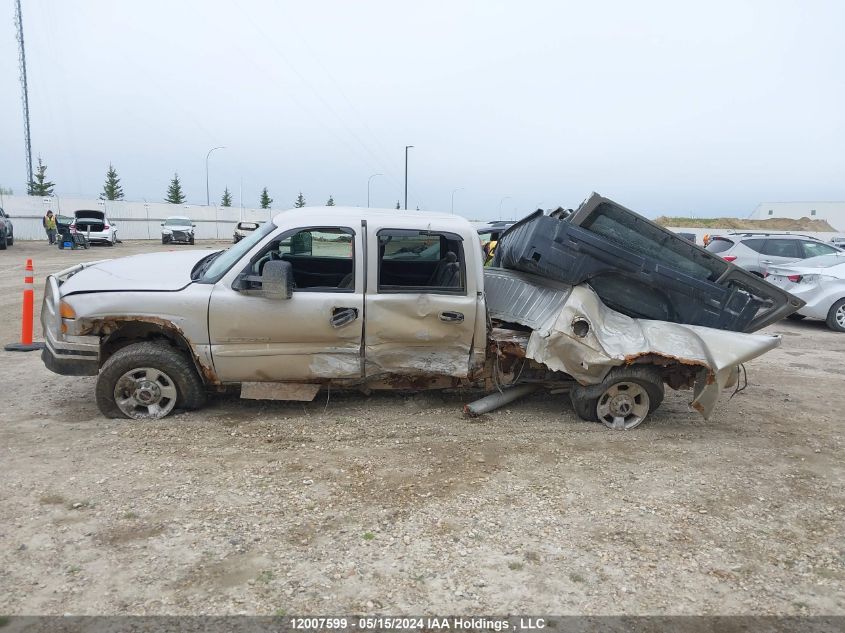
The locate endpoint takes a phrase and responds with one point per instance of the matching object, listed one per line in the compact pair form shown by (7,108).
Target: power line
(24,90)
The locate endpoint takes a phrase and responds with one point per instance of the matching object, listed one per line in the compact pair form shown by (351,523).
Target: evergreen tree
(397,205)
(226,200)
(330,202)
(265,199)
(300,201)
(40,186)
(174,191)
(112,189)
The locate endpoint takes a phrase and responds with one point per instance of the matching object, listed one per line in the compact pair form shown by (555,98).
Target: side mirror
(277,279)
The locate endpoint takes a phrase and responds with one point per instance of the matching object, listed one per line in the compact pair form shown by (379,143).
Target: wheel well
(126,333)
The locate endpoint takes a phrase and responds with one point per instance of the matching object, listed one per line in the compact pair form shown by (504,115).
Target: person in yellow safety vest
(49,223)
(489,251)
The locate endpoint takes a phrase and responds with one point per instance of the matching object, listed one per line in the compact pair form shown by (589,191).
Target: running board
(279,391)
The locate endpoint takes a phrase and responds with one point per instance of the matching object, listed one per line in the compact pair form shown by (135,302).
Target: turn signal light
(66,311)
(729,258)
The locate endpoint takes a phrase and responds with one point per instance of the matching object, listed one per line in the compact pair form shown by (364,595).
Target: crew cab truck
(365,299)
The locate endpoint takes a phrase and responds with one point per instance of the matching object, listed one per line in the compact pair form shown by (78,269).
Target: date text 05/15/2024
(382,623)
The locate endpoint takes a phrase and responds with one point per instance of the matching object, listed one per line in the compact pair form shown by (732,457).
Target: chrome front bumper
(64,354)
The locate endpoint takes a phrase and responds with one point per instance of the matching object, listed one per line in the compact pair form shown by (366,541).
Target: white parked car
(242,229)
(177,229)
(95,226)
(820,281)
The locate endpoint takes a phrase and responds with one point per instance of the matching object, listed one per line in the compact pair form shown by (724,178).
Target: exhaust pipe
(499,399)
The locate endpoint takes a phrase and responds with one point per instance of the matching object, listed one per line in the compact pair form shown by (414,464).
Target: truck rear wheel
(147,381)
(623,400)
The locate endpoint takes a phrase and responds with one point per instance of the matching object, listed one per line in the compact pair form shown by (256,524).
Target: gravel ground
(397,504)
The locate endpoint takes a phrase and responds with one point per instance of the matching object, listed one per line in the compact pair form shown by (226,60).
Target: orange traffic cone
(26,344)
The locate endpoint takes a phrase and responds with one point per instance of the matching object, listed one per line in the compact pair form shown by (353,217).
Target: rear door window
(755,244)
(420,261)
(781,248)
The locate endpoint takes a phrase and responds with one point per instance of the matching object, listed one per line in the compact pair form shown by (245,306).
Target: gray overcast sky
(668,107)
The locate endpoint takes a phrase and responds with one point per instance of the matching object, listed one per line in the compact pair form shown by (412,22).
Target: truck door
(314,334)
(420,303)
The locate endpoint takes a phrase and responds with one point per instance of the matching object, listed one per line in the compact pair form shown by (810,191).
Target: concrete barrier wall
(142,220)
(134,220)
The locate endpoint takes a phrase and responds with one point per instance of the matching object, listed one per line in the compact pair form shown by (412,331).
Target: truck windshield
(226,259)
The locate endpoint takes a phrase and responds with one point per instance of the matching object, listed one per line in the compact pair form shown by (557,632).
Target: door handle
(452,317)
(343,316)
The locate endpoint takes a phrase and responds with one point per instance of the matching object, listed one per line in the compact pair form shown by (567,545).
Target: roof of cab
(352,216)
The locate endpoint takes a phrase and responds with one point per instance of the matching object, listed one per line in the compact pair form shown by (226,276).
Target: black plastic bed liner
(641,269)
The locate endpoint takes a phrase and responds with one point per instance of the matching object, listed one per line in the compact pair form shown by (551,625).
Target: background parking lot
(398,504)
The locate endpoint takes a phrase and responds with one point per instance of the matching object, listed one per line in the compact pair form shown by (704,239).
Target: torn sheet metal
(586,339)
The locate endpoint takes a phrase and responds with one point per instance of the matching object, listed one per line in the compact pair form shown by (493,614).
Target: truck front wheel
(623,400)
(147,381)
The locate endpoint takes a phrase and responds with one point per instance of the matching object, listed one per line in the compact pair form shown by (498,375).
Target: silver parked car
(820,281)
(177,229)
(757,252)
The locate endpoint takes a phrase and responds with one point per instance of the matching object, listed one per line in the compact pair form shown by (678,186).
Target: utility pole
(369,180)
(24,91)
(407,147)
(500,205)
(207,195)
(452,204)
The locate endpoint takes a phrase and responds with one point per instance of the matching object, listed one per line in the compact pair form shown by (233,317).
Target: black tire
(834,323)
(585,400)
(3,243)
(11,239)
(796,317)
(191,242)
(157,355)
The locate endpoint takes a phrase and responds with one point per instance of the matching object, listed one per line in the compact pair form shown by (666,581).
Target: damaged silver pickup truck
(362,299)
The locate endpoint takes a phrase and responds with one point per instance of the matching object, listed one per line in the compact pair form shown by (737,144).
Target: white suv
(755,252)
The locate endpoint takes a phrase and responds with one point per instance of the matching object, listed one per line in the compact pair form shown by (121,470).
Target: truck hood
(165,272)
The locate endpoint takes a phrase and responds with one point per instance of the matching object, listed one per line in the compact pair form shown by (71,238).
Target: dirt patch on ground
(399,504)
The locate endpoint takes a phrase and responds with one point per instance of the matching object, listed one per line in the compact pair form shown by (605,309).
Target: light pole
(207,194)
(407,147)
(369,180)
(500,205)
(452,204)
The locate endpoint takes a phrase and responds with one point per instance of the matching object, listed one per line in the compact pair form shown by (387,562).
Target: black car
(7,231)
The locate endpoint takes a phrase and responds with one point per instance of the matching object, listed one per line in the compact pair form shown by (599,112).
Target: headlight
(166,231)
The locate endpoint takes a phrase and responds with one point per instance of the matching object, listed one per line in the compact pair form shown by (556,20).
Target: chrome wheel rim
(145,393)
(840,316)
(623,406)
